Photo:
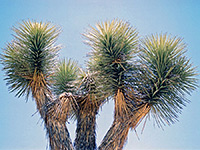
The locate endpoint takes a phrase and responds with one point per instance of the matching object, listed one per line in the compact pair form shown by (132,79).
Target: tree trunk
(59,138)
(86,131)
(116,136)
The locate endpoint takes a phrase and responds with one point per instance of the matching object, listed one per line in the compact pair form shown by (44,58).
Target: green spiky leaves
(113,45)
(30,57)
(167,75)
(64,76)
(144,77)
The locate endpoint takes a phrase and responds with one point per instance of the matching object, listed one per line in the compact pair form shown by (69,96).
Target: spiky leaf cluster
(113,46)
(167,74)
(153,82)
(64,76)
(30,56)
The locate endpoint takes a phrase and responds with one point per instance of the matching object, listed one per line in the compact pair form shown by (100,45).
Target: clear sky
(19,130)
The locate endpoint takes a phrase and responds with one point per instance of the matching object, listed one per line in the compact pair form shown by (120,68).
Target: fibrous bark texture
(117,134)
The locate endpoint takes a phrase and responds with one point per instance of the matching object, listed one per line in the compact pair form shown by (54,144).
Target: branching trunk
(116,136)
(59,138)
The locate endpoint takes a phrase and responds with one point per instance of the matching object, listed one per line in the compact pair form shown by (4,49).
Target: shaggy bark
(55,122)
(85,131)
(116,136)
(58,136)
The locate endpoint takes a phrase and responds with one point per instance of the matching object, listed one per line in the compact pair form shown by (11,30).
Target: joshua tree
(89,97)
(153,83)
(114,45)
(144,77)
(29,61)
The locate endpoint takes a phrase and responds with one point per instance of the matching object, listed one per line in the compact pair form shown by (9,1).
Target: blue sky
(20,130)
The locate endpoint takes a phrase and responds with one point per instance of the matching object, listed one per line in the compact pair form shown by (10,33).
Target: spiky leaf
(29,59)
(64,76)
(113,44)
(166,77)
